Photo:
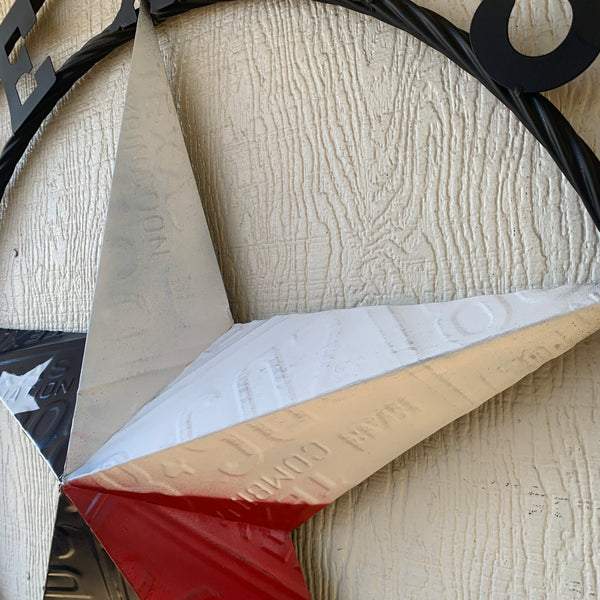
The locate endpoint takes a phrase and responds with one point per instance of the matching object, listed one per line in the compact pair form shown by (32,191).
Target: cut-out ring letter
(17,23)
(507,66)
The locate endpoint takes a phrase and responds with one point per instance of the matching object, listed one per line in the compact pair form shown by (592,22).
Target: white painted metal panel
(264,367)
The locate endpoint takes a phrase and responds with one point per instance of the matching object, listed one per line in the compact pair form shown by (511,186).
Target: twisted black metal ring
(573,156)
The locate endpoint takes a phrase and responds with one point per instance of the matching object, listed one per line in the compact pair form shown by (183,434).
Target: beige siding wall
(341,163)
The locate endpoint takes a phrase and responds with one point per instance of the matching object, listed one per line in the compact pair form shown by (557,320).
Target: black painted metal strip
(56,389)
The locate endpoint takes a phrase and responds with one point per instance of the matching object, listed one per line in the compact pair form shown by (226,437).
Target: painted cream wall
(27,510)
(341,163)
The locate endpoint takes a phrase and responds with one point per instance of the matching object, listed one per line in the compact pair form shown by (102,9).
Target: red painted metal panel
(268,514)
(168,553)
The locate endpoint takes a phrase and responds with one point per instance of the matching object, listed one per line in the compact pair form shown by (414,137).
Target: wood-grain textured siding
(342,162)
(28,502)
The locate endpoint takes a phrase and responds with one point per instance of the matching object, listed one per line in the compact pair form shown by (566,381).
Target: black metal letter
(17,23)
(156,5)
(492,47)
(125,17)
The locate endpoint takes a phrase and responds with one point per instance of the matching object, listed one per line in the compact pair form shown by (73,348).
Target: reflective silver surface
(159,298)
